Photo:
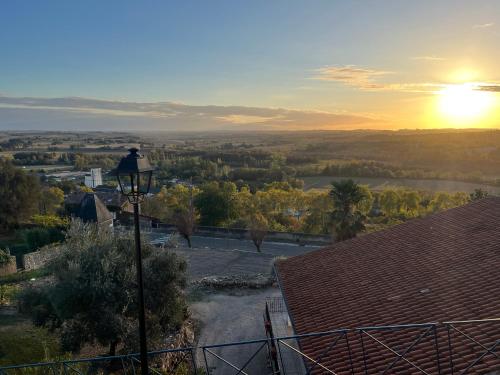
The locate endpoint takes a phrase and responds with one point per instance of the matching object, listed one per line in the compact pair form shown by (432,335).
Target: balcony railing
(447,348)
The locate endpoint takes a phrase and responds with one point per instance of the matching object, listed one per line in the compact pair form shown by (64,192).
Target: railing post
(130,359)
(206,362)
(349,351)
(436,344)
(450,348)
(123,366)
(281,356)
(193,361)
(363,350)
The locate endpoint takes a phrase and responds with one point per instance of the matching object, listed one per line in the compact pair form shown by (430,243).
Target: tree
(168,202)
(185,219)
(258,228)
(67,186)
(348,221)
(86,189)
(216,203)
(157,206)
(20,194)
(442,201)
(50,221)
(51,200)
(317,219)
(478,194)
(411,201)
(366,203)
(93,298)
(390,201)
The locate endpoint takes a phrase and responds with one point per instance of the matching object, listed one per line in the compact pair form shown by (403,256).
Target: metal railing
(179,361)
(488,349)
(447,348)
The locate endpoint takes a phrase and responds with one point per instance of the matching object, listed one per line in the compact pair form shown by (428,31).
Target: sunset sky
(223,65)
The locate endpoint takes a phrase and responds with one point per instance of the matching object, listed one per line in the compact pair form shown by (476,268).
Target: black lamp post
(134,176)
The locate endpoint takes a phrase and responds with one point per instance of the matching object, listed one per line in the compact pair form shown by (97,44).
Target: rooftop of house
(443,267)
(93,210)
(111,198)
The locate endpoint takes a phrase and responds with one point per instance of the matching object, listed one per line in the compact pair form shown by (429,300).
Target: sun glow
(464,103)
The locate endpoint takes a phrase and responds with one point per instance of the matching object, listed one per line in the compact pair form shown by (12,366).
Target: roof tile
(442,267)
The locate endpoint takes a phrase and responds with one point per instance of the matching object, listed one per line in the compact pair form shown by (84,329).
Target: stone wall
(237,233)
(9,267)
(40,258)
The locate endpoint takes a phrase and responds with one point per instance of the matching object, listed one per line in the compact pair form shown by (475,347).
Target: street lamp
(134,177)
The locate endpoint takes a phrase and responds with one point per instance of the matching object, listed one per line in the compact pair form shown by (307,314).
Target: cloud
(73,113)
(364,79)
(245,119)
(351,75)
(483,25)
(428,58)
(491,87)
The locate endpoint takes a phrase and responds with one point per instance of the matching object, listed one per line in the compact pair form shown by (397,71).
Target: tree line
(278,206)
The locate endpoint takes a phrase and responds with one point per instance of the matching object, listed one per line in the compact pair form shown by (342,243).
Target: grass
(21,342)
(23,276)
(8,293)
(24,343)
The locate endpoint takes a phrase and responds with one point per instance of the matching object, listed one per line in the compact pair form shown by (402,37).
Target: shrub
(36,238)
(50,221)
(94,294)
(4,256)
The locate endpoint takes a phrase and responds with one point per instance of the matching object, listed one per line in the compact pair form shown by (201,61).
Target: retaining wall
(240,233)
(40,258)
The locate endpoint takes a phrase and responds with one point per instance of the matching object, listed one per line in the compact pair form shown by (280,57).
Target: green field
(323,182)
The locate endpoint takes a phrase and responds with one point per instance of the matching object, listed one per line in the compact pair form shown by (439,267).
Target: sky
(249,65)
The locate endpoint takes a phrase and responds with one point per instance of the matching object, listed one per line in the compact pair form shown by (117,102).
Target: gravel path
(233,317)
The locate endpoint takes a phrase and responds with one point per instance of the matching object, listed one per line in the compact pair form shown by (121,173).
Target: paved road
(273,248)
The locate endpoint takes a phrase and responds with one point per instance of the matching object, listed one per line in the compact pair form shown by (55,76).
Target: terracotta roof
(439,268)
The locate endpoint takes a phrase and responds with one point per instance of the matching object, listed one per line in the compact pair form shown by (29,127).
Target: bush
(36,238)
(50,221)
(93,298)
(4,256)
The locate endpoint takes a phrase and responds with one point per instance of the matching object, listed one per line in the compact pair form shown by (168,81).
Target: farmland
(379,184)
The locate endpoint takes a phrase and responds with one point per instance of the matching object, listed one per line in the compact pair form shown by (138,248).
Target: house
(93,179)
(115,202)
(439,269)
(93,210)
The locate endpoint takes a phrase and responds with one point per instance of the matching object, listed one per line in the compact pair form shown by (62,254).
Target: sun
(464,103)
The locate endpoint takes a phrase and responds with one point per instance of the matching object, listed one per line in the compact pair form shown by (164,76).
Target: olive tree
(93,298)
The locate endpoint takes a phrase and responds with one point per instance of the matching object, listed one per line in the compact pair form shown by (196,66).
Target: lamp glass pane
(145,182)
(126,182)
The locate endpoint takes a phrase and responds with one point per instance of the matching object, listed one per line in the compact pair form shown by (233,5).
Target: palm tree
(348,221)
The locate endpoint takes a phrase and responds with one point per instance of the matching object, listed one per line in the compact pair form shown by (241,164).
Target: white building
(94,178)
